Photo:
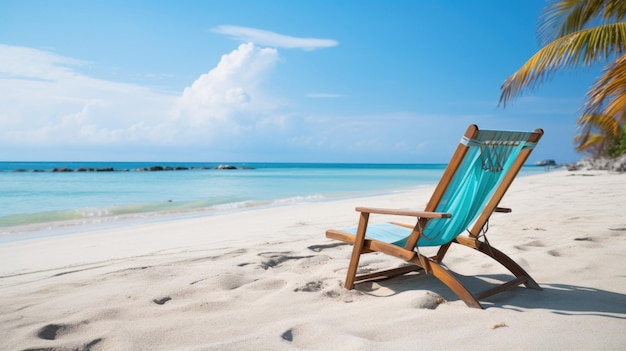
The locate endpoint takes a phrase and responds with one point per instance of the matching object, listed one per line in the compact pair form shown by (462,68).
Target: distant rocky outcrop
(600,164)
(226,167)
(107,169)
(155,168)
(546,163)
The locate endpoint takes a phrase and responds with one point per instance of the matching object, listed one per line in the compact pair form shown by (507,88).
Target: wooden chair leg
(501,258)
(442,252)
(448,279)
(356,251)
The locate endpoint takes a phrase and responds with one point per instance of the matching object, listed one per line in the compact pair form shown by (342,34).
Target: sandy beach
(268,279)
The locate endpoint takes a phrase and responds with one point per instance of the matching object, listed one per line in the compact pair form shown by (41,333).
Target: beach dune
(268,279)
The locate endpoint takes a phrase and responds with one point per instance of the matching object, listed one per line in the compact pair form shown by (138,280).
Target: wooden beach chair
(477,177)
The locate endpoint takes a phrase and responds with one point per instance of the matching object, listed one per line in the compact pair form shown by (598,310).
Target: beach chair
(471,187)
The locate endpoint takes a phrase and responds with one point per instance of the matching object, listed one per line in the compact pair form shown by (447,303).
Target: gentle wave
(236,205)
(298,199)
(92,214)
(65,218)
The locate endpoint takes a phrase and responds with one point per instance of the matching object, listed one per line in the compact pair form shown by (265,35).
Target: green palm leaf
(608,94)
(570,39)
(583,47)
(605,123)
(564,17)
(596,142)
(597,131)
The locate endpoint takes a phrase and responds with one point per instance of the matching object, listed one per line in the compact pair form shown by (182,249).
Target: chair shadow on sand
(561,299)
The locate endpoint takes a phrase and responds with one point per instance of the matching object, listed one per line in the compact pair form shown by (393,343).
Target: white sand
(268,279)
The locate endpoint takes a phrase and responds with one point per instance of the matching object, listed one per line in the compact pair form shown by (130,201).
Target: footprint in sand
(233,254)
(555,253)
(311,287)
(226,281)
(229,281)
(162,300)
(532,244)
(332,293)
(224,256)
(564,252)
(313,261)
(319,248)
(52,331)
(535,243)
(274,259)
(55,331)
(589,242)
(287,335)
(267,284)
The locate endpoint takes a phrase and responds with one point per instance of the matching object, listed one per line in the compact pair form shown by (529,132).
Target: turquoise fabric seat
(489,157)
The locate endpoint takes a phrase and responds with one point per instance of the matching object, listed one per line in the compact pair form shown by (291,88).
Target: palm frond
(608,94)
(563,17)
(597,132)
(594,143)
(606,124)
(584,47)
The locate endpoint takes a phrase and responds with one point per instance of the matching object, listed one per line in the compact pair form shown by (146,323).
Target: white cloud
(51,109)
(47,102)
(263,37)
(228,87)
(27,63)
(231,99)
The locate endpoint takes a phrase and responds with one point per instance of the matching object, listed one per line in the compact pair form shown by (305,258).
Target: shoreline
(89,196)
(89,224)
(21,226)
(269,279)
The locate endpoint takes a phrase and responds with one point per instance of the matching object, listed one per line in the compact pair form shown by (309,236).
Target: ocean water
(31,193)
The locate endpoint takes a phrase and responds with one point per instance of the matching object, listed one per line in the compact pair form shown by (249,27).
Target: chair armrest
(409,213)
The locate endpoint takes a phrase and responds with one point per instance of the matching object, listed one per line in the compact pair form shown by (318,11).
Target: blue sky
(271,81)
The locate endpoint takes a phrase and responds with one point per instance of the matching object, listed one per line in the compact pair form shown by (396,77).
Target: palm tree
(580,33)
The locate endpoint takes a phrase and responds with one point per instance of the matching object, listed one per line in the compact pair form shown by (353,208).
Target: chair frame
(432,265)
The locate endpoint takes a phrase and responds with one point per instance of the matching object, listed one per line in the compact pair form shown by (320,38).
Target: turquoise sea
(32,195)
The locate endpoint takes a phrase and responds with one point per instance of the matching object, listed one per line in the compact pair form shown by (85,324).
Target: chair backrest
(477,177)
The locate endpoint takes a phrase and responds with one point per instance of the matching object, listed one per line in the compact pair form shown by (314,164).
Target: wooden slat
(502,287)
(401,212)
(390,249)
(389,272)
(341,236)
(370,245)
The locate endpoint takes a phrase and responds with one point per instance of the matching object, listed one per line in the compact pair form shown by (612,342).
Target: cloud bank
(231,103)
(263,37)
(47,101)
(50,110)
